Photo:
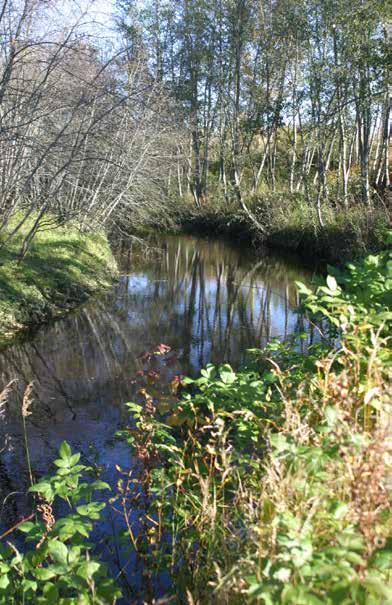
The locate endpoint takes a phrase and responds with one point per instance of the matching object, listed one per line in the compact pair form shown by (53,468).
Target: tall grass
(290,223)
(272,485)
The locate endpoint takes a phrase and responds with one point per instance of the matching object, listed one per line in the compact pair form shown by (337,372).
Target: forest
(277,111)
(195,302)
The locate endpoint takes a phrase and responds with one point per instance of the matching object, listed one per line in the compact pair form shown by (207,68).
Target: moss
(60,271)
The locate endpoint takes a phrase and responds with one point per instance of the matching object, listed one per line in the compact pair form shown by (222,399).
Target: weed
(270,484)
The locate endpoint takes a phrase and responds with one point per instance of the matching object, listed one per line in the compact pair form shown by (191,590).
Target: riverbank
(293,227)
(267,484)
(271,484)
(62,269)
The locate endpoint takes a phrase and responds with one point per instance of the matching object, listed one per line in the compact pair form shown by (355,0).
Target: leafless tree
(82,137)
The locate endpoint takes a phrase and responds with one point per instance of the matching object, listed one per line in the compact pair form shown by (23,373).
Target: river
(207,300)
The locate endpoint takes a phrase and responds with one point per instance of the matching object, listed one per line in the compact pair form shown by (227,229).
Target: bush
(271,485)
(56,566)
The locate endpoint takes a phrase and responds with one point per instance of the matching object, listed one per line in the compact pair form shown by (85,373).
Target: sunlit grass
(291,224)
(61,269)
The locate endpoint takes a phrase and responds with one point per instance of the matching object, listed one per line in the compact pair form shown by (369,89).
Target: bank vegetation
(269,484)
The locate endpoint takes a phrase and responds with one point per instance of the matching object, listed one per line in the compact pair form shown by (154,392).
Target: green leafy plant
(55,565)
(269,484)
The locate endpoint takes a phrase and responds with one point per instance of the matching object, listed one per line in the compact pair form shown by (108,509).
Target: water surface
(208,301)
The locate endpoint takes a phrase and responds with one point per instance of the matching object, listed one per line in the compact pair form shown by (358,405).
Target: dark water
(209,301)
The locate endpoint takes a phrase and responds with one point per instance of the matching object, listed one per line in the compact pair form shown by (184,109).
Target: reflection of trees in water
(225,303)
(207,300)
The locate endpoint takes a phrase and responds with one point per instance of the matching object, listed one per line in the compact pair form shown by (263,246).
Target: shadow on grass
(55,276)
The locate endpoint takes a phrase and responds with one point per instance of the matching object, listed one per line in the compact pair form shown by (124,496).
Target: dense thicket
(278,103)
(84,133)
(277,95)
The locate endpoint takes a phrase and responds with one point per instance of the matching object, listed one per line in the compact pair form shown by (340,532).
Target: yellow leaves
(166,403)
(152,377)
(370,395)
(174,420)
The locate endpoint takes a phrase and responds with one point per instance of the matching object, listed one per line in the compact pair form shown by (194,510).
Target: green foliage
(55,565)
(320,556)
(62,268)
(363,289)
(271,485)
(241,399)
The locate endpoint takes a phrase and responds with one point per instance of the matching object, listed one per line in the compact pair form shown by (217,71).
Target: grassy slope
(61,270)
(291,225)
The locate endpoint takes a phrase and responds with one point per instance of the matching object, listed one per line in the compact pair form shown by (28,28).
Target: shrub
(271,484)
(56,565)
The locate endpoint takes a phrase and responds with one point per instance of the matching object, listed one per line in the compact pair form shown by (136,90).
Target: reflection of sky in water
(207,300)
(137,283)
(209,303)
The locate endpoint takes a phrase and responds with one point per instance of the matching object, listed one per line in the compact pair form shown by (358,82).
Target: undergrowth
(270,484)
(267,485)
(57,568)
(290,223)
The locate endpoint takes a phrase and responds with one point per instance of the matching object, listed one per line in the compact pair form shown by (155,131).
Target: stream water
(208,301)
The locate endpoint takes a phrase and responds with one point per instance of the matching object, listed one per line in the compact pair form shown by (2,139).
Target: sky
(95,18)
